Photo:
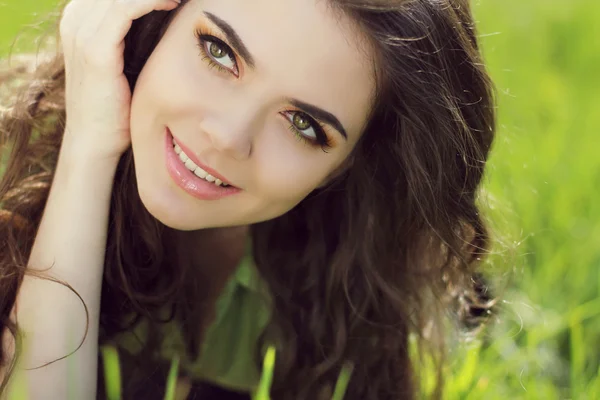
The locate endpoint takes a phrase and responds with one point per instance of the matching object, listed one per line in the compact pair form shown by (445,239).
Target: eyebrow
(236,42)
(233,38)
(321,114)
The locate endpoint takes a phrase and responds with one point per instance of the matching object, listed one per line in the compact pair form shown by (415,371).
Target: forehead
(306,51)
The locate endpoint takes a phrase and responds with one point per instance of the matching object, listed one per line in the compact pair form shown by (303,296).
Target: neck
(214,248)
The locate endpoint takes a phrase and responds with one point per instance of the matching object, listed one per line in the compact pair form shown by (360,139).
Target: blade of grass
(342,382)
(172,379)
(112,372)
(577,359)
(593,389)
(266,378)
(465,379)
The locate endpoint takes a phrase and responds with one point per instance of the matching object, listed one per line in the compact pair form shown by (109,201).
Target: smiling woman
(277,172)
(236,119)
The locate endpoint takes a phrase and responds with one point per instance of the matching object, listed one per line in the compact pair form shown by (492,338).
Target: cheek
(288,173)
(172,80)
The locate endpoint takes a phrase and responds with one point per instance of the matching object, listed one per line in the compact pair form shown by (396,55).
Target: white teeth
(200,173)
(190,165)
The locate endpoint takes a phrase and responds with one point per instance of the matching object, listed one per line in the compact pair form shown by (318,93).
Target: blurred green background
(541,197)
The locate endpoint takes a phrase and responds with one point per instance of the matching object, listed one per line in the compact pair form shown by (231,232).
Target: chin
(171,213)
(166,210)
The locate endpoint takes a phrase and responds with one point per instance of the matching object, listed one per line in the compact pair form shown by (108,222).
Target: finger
(101,40)
(76,15)
(86,40)
(119,17)
(75,12)
(91,22)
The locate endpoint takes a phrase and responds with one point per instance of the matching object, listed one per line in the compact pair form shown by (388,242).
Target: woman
(212,177)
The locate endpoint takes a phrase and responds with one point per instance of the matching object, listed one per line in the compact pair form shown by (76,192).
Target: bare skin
(238,119)
(71,239)
(240,124)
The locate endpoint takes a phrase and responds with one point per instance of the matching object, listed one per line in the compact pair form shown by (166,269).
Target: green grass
(542,200)
(20,19)
(112,372)
(113,380)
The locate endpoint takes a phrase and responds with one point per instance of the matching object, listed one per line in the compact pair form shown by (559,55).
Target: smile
(199,181)
(199,172)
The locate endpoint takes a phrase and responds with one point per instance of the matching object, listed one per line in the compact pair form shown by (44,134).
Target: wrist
(80,164)
(80,149)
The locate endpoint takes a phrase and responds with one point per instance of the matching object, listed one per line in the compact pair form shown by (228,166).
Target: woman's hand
(97,94)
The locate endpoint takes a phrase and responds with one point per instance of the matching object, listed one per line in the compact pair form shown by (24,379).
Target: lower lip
(188,181)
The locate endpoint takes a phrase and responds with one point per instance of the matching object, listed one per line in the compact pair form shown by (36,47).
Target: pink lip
(196,161)
(187,180)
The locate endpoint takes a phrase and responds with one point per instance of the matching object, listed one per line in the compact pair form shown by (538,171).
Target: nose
(233,132)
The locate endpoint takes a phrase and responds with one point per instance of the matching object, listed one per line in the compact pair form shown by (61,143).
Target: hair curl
(388,250)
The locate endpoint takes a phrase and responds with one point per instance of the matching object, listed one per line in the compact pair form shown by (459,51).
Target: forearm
(69,246)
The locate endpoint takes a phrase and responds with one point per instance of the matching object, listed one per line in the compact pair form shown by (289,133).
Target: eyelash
(322,139)
(202,38)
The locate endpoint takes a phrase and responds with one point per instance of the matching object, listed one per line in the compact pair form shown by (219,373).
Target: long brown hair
(388,250)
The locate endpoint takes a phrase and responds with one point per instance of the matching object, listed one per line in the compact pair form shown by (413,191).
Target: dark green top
(227,358)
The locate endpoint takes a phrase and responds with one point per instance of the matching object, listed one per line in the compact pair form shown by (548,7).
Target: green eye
(307,129)
(216,51)
(301,122)
(217,54)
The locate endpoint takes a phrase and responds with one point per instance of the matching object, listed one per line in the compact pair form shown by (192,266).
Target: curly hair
(389,250)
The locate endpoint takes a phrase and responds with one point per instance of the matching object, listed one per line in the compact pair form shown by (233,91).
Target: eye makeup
(320,138)
(208,42)
(213,49)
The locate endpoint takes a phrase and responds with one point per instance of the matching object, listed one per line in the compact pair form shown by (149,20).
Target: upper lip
(196,161)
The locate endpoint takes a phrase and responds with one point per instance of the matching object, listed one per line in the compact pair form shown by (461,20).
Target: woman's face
(271,95)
